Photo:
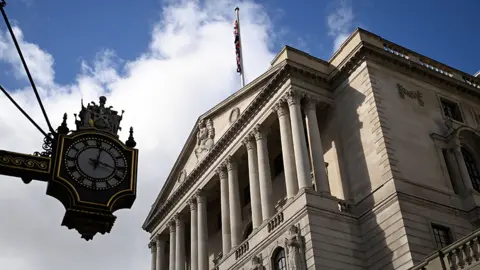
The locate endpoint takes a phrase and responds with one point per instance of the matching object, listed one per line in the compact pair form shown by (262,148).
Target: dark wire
(24,113)
(2,5)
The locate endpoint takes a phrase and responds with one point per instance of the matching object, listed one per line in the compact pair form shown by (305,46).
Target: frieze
(402,92)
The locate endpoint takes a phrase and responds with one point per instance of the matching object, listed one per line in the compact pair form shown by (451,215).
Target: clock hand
(98,158)
(106,165)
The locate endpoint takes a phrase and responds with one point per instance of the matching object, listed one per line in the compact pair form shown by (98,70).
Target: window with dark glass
(471,168)
(442,235)
(279,261)
(451,110)
(277,165)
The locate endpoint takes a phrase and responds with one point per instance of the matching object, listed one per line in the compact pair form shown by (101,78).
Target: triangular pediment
(207,130)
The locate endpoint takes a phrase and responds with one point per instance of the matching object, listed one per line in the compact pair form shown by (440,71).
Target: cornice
(412,68)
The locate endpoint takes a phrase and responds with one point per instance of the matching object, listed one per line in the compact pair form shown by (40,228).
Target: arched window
(279,261)
(471,168)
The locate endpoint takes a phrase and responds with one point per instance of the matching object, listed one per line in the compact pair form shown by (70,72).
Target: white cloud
(188,67)
(340,24)
(39,62)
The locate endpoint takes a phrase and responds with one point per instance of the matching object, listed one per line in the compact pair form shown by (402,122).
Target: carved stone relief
(182,176)
(295,249)
(234,114)
(257,263)
(411,94)
(205,136)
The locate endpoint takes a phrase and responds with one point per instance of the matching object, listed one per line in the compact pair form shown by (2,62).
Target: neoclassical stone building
(366,161)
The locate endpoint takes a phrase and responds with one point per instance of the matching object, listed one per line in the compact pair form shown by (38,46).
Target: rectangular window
(451,110)
(442,235)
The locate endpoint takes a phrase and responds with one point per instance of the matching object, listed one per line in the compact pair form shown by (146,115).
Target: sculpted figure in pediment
(205,136)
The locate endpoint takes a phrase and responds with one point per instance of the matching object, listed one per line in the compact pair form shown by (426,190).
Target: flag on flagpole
(238,50)
(238,46)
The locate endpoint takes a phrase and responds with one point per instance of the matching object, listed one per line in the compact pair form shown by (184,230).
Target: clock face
(95,163)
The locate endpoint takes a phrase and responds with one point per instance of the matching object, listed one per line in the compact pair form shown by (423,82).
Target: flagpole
(242,73)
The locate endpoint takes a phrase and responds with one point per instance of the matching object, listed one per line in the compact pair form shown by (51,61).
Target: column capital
(221,171)
(293,97)
(310,103)
(231,163)
(178,219)
(201,196)
(171,225)
(259,132)
(280,108)
(192,202)
(249,142)
(152,246)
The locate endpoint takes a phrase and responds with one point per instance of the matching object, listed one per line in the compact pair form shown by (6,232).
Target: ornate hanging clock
(89,170)
(94,173)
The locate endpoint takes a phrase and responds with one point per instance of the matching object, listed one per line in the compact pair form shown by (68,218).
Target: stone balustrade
(463,254)
(242,249)
(275,222)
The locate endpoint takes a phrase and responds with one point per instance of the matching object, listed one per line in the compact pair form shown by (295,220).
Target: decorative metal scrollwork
(47,147)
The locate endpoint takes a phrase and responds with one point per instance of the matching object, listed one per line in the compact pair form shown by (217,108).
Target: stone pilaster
(235,210)
(256,206)
(291,182)
(193,234)
(299,144)
(316,147)
(202,231)
(264,175)
(225,209)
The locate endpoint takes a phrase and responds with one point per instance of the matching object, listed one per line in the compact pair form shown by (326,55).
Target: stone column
(235,210)
(161,260)
(291,182)
(180,243)
(202,231)
(193,234)
(153,249)
(225,209)
(298,137)
(316,147)
(249,143)
(462,167)
(171,261)
(264,174)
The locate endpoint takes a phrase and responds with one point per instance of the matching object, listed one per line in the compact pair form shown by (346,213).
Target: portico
(243,181)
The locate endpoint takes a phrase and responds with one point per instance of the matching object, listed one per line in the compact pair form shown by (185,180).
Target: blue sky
(73,31)
(165,63)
